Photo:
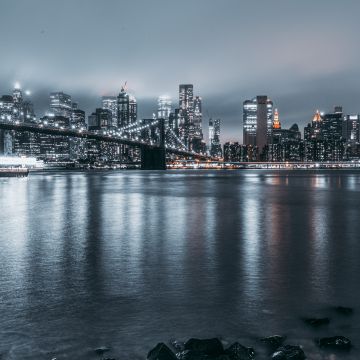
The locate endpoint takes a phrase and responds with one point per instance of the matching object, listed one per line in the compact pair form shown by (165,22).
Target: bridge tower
(155,158)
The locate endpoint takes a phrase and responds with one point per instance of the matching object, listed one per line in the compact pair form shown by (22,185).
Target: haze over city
(303,55)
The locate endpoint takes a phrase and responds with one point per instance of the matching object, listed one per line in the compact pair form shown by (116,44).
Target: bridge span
(153,155)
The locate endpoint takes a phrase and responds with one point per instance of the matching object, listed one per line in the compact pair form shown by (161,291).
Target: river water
(126,259)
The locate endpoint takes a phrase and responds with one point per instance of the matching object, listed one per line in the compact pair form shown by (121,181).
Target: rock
(273,341)
(161,352)
(198,355)
(335,342)
(177,345)
(344,310)
(289,352)
(316,322)
(239,352)
(101,350)
(211,347)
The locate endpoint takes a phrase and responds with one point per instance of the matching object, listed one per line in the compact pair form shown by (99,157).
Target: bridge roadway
(84,134)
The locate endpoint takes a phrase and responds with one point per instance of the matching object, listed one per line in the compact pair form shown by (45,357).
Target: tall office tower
(186,114)
(61,104)
(264,122)
(257,121)
(214,137)
(164,108)
(211,131)
(110,103)
(126,109)
(198,118)
(351,129)
(332,124)
(249,122)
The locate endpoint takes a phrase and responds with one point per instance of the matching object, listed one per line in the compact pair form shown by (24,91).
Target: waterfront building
(258,122)
(54,147)
(235,152)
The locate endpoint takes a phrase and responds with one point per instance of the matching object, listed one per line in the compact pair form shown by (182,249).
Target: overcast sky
(303,54)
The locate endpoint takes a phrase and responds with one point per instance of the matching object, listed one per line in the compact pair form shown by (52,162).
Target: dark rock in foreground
(101,350)
(335,342)
(273,341)
(161,352)
(177,345)
(316,322)
(289,352)
(344,310)
(239,352)
(211,347)
(191,355)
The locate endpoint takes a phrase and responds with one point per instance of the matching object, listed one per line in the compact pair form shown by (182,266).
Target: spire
(276,123)
(317,116)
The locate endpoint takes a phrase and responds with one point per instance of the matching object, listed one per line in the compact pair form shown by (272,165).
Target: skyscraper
(110,103)
(332,124)
(214,137)
(198,118)
(257,121)
(186,114)
(126,108)
(351,128)
(164,108)
(61,104)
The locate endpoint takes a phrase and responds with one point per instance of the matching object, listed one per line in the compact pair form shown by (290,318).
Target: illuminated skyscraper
(61,104)
(214,137)
(186,114)
(257,121)
(276,122)
(110,103)
(126,108)
(198,118)
(164,108)
(351,128)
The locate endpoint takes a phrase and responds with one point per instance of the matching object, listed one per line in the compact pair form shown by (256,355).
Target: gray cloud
(303,54)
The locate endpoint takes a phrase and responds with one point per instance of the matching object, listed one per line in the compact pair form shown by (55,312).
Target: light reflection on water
(128,259)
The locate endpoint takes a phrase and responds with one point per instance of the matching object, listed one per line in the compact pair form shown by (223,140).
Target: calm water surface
(128,259)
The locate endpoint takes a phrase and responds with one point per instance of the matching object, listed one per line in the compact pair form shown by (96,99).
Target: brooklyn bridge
(153,153)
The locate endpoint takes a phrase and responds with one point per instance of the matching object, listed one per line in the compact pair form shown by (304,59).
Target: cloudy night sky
(303,54)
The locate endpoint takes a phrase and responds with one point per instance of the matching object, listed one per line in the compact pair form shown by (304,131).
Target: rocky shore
(275,346)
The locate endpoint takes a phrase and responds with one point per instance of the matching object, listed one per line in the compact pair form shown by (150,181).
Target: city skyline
(226,68)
